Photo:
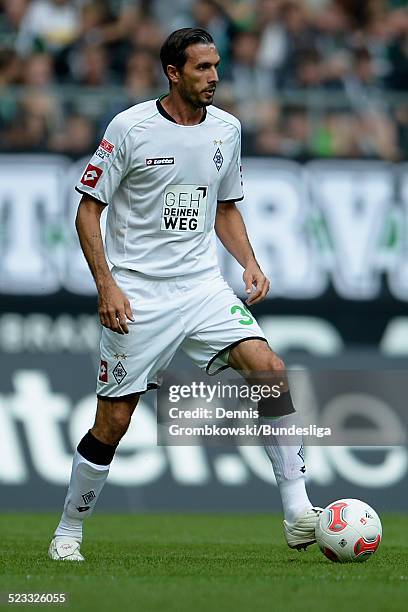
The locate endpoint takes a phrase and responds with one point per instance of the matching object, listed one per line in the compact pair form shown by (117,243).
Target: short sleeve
(109,164)
(231,186)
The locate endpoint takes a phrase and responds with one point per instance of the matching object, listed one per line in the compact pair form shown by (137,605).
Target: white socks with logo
(288,466)
(88,479)
(86,484)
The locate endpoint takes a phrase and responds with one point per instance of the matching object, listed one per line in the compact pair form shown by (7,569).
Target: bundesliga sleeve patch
(105,149)
(91,175)
(106,145)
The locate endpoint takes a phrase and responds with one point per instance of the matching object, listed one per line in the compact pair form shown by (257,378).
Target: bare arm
(113,305)
(230,229)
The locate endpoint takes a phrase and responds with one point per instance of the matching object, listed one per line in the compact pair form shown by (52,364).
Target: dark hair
(174,47)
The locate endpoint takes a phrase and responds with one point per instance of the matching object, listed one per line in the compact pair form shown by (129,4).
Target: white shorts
(200,314)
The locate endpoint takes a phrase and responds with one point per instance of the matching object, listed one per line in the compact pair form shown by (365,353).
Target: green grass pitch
(194,562)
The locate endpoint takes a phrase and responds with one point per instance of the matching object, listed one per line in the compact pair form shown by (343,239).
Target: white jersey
(162,182)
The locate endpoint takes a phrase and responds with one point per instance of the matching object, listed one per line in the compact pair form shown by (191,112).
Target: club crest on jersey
(91,175)
(159,161)
(105,149)
(218,159)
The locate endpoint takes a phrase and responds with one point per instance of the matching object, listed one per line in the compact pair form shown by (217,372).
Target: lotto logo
(91,176)
(103,371)
(159,161)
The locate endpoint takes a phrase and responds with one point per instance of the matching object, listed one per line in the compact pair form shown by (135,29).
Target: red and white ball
(348,530)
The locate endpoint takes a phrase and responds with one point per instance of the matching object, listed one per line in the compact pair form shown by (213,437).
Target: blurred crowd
(307,78)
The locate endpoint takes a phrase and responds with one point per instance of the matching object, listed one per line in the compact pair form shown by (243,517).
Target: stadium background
(321,90)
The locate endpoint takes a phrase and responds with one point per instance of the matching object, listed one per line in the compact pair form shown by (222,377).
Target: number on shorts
(245,314)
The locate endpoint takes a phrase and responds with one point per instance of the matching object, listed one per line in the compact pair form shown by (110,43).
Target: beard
(197,100)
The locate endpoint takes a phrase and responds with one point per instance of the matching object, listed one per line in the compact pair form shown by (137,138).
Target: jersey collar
(166,115)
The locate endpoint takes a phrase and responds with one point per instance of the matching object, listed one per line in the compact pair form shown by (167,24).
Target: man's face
(198,78)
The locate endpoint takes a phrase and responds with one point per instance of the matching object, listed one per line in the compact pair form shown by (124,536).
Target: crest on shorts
(119,372)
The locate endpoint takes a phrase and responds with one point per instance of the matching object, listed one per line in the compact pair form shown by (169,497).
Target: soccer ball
(348,530)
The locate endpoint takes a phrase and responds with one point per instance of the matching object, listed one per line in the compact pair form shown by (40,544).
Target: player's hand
(254,277)
(114,309)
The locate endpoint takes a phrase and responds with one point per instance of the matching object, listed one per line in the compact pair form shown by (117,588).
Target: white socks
(288,466)
(88,479)
(86,484)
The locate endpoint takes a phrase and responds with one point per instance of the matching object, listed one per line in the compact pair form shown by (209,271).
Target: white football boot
(63,548)
(301,533)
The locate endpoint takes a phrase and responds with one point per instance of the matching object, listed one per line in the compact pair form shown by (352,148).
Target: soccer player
(169,170)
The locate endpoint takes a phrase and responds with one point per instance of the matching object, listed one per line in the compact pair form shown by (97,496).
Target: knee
(275,364)
(275,371)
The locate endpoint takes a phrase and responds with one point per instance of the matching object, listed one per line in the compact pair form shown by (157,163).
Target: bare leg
(113,417)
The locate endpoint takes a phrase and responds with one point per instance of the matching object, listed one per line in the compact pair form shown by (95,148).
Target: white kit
(199,314)
(163,182)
